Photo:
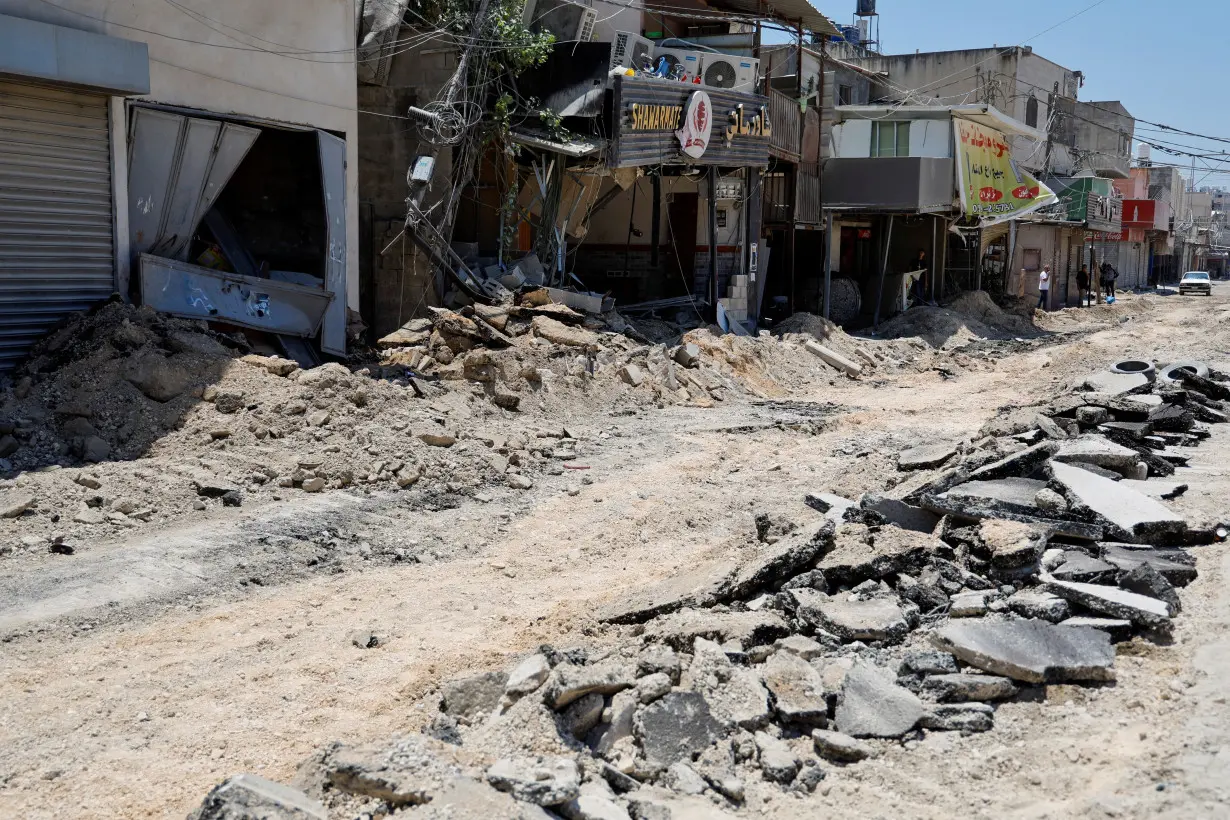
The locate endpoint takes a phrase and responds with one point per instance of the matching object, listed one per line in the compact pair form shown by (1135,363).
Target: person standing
(1109,275)
(1044,288)
(1082,286)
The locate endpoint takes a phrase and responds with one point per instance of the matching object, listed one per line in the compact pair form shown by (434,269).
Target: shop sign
(993,187)
(660,122)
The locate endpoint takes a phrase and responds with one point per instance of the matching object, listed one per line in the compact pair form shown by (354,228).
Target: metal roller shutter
(56,235)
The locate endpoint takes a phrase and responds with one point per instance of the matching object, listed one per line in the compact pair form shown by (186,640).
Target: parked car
(1196,281)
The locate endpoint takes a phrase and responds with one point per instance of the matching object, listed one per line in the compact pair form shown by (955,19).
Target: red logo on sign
(990,194)
(1026,192)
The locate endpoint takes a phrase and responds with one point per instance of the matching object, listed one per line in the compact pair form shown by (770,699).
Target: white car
(1195,281)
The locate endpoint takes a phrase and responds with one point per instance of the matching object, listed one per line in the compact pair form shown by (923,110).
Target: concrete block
(1134,516)
(1030,651)
(834,359)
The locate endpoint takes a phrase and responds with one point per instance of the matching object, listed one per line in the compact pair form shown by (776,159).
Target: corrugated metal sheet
(56,234)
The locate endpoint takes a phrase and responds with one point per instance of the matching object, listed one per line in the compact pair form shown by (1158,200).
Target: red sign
(1139,213)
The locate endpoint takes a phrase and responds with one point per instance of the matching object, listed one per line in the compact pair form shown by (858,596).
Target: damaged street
(990,583)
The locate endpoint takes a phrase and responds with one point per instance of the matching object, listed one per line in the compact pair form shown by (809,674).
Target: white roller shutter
(56,235)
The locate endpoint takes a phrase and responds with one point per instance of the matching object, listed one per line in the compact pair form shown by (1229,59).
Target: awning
(578,146)
(30,49)
(792,11)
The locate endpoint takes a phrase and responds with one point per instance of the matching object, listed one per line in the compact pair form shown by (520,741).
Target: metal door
(56,228)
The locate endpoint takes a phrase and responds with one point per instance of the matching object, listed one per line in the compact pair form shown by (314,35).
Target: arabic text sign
(992,186)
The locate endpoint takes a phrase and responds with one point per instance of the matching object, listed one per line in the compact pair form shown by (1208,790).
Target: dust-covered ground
(168,653)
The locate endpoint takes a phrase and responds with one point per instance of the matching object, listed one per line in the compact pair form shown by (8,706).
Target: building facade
(131,127)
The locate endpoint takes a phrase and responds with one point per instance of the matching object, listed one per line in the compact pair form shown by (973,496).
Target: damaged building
(599,196)
(206,169)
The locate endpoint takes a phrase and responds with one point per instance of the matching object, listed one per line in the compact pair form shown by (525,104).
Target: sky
(1162,60)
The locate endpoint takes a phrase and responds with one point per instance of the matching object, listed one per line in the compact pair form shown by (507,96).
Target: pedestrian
(1082,286)
(1044,288)
(1109,275)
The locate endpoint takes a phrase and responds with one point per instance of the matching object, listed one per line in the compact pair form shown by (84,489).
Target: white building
(124,125)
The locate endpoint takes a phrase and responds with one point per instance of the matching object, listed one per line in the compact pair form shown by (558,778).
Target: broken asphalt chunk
(973,509)
(1175,565)
(250,796)
(1030,651)
(797,689)
(964,687)
(676,727)
(1020,464)
(569,682)
(543,781)
(876,619)
(872,705)
(926,457)
(1134,516)
(1117,603)
(959,717)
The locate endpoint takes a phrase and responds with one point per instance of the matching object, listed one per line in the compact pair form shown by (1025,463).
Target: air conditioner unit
(630,50)
(693,62)
(731,73)
(568,21)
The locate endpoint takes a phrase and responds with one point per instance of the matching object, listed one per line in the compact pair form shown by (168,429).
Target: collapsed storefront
(916,198)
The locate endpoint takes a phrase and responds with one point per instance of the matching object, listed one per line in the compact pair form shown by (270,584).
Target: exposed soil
(161,657)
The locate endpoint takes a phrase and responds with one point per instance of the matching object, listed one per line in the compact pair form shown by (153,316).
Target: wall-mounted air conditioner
(732,73)
(568,21)
(693,62)
(630,50)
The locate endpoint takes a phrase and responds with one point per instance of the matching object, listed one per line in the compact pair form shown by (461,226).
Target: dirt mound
(970,317)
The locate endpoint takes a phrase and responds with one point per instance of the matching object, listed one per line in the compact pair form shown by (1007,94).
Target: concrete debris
(735,694)
(1115,603)
(1115,384)
(1019,465)
(872,705)
(475,696)
(858,554)
(591,804)
(851,618)
(970,604)
(249,796)
(681,629)
(778,762)
(543,781)
(797,689)
(840,748)
(1175,565)
(906,516)
(1116,629)
(675,728)
(973,509)
(1078,566)
(1098,451)
(683,778)
(1030,651)
(926,662)
(800,645)
(1145,580)
(1132,516)
(960,688)
(833,358)
(926,457)
(967,718)
(13,505)
(463,798)
(527,676)
(410,771)
(569,682)
(1036,604)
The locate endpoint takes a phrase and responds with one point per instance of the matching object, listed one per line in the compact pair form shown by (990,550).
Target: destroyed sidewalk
(993,568)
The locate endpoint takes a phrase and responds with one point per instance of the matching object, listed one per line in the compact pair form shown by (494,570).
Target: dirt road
(138,674)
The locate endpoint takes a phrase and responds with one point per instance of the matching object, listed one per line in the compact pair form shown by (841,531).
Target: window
(1031,259)
(890,139)
(845,95)
(1031,112)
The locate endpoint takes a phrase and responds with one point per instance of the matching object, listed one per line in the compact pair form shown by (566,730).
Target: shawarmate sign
(993,187)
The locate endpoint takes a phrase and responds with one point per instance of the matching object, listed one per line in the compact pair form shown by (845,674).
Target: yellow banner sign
(993,187)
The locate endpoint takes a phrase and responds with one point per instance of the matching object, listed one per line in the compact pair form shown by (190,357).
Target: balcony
(889,184)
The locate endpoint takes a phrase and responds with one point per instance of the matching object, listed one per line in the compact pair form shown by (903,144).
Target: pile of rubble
(538,355)
(992,567)
(125,418)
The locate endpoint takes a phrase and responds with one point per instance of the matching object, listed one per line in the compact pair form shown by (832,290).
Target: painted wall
(1104,133)
(227,66)
(928,138)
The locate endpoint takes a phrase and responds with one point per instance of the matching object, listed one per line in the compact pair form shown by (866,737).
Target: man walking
(1044,288)
(1082,286)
